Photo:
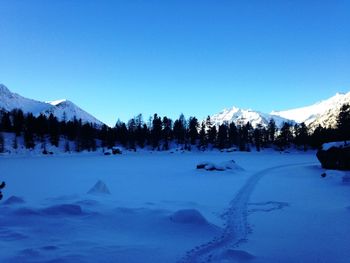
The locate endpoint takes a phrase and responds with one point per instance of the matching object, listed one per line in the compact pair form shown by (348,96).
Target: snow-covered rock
(335,156)
(99,188)
(341,144)
(229,165)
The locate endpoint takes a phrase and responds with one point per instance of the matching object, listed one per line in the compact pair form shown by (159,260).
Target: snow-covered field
(157,207)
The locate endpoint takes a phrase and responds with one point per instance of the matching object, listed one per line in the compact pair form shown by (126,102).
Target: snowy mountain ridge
(316,113)
(322,113)
(62,109)
(242,116)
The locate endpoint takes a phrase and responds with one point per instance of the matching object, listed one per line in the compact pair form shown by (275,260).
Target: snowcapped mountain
(65,109)
(62,109)
(323,112)
(242,116)
(10,101)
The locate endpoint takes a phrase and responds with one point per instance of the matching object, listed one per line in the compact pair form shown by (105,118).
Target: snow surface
(162,209)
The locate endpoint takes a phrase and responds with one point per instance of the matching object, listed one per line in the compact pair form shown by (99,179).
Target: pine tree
(2,186)
(54,130)
(29,139)
(301,135)
(179,130)
(343,122)
(258,137)
(166,132)
(156,132)
(66,147)
(222,136)
(132,134)
(232,135)
(2,143)
(271,130)
(15,143)
(212,135)
(18,121)
(140,135)
(244,137)
(5,122)
(193,130)
(317,137)
(285,138)
(121,133)
(203,143)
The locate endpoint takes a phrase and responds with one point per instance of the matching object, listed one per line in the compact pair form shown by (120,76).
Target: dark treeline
(162,133)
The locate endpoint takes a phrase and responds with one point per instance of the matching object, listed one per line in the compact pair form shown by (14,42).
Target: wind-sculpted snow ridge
(236,227)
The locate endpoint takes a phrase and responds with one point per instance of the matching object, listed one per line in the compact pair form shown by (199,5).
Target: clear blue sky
(120,58)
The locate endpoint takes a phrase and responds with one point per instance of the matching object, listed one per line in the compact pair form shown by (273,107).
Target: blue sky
(116,59)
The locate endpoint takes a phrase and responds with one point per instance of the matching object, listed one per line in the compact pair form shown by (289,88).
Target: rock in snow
(229,165)
(99,188)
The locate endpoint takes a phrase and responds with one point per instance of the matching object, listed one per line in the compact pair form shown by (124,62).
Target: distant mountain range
(243,116)
(62,109)
(322,113)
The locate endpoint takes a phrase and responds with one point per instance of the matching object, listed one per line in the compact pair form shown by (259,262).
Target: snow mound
(13,200)
(99,188)
(64,209)
(189,216)
(229,165)
(236,255)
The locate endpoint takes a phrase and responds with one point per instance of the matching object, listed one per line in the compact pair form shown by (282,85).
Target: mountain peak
(57,102)
(310,113)
(62,109)
(243,116)
(4,90)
